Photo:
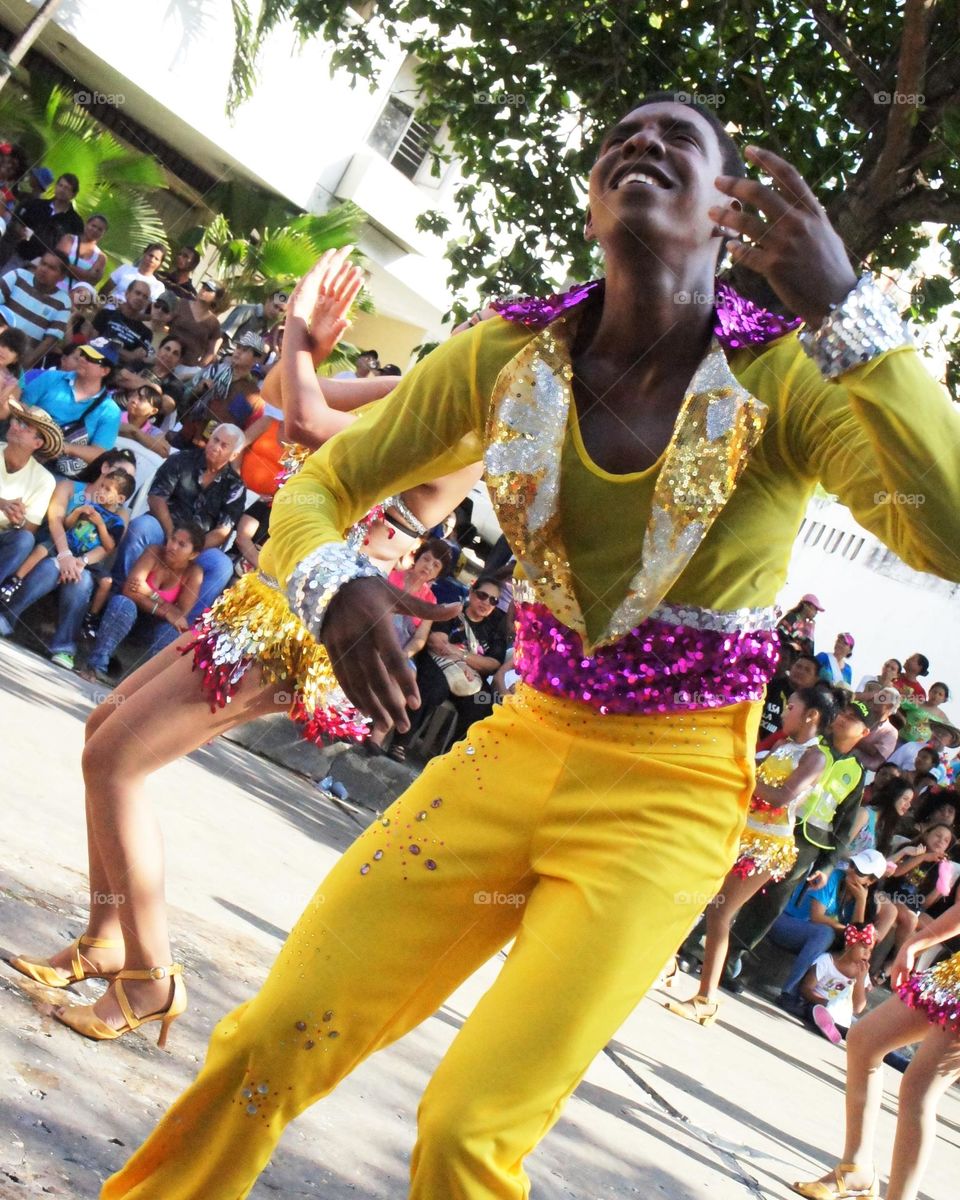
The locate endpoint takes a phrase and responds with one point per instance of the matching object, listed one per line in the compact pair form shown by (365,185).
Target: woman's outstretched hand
(359,637)
(322,300)
(792,242)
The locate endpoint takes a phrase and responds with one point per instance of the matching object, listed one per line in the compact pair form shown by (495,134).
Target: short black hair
(733,163)
(126,484)
(808,657)
(71,180)
(193,531)
(924,664)
(154,246)
(482,579)
(193,252)
(439,549)
(940,684)
(15,340)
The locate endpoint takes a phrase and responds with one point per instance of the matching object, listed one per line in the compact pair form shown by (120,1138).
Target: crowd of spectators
(877,841)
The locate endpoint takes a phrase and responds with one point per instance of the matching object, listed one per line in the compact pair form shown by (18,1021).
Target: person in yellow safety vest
(822,830)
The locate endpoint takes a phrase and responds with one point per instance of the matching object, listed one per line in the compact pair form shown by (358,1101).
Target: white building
(163,67)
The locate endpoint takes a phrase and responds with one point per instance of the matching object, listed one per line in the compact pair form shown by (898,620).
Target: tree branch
(841,43)
(923,204)
(904,100)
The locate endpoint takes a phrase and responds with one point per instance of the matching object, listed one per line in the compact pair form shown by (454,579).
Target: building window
(402,140)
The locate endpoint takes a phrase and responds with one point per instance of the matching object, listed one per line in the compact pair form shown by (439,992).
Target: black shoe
(732,984)
(791,1004)
(91,623)
(9,589)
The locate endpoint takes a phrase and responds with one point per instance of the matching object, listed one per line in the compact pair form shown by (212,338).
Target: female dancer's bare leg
(734,894)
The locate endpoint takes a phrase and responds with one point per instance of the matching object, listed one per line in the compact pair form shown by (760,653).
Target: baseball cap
(848,638)
(810,598)
(253,341)
(870,862)
(43,176)
(101,350)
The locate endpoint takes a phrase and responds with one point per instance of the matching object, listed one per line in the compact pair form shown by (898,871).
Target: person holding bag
(78,399)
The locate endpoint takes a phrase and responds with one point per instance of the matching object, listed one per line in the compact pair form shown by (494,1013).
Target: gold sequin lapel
(718,425)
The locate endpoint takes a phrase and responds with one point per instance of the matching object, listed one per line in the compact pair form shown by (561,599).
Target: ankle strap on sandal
(152,972)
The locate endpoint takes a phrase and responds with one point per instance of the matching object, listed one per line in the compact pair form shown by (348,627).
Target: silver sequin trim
(320,576)
(410,519)
(864,324)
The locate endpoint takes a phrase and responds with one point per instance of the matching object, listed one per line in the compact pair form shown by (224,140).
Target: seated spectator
(178,280)
(252,530)
(85,525)
(141,398)
(83,308)
(430,558)
(25,487)
(169,354)
(920,878)
(86,262)
(908,684)
(144,271)
(36,181)
(802,674)
(79,400)
(939,694)
(879,817)
(887,677)
(834,989)
(263,459)
(262,319)
(228,393)
(813,917)
(196,326)
(798,625)
(193,487)
(884,774)
(936,808)
(31,300)
(39,225)
(13,166)
(834,668)
(160,591)
(159,315)
(125,326)
(368,362)
(459,663)
(874,750)
(13,346)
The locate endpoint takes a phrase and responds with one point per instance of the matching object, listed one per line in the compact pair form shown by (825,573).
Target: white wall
(890,609)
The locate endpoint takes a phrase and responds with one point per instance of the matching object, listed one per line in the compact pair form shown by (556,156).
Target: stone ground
(669,1110)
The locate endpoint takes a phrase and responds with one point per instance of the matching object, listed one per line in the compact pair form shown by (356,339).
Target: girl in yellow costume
(767,850)
(650,462)
(925,1009)
(249,655)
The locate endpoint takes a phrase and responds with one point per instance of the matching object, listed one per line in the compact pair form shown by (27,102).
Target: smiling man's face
(653,180)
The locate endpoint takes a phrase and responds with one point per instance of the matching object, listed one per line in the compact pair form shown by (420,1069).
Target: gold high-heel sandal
(816,1189)
(670,974)
(40,970)
(83,1020)
(704,1012)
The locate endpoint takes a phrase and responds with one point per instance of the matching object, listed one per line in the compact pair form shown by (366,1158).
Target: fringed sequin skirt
(936,993)
(764,850)
(251,626)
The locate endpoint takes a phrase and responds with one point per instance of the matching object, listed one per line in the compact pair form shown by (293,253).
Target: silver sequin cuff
(403,512)
(864,324)
(320,576)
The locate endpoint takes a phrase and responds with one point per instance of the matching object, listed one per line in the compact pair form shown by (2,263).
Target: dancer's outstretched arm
(947,925)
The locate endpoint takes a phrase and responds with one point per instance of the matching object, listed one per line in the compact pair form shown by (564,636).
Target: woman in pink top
(430,561)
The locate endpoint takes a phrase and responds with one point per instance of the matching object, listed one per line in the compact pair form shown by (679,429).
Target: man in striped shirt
(30,300)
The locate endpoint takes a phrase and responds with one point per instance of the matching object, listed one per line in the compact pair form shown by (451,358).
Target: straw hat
(43,423)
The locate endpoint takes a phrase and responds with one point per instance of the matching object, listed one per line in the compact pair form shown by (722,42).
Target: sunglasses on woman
(145,393)
(485,596)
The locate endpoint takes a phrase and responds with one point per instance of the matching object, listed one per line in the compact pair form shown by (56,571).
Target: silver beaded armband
(403,510)
(864,324)
(320,576)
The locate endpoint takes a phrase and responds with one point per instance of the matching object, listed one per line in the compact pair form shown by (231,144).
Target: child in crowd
(928,763)
(835,987)
(92,523)
(13,345)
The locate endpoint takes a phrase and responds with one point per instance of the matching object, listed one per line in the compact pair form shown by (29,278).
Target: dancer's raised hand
(322,300)
(791,243)
(359,637)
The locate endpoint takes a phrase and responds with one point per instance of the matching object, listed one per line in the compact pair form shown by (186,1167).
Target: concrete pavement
(670,1110)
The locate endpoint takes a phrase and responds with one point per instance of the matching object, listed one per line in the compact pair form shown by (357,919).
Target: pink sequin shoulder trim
(739,321)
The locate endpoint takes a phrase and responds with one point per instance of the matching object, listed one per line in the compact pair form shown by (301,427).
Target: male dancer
(650,460)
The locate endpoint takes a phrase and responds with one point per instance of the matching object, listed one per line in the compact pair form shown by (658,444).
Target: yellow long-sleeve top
(885,429)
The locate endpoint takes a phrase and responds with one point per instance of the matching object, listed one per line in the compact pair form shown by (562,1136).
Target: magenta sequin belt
(661,666)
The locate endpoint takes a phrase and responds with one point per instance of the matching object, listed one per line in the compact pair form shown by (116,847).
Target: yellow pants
(593,840)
